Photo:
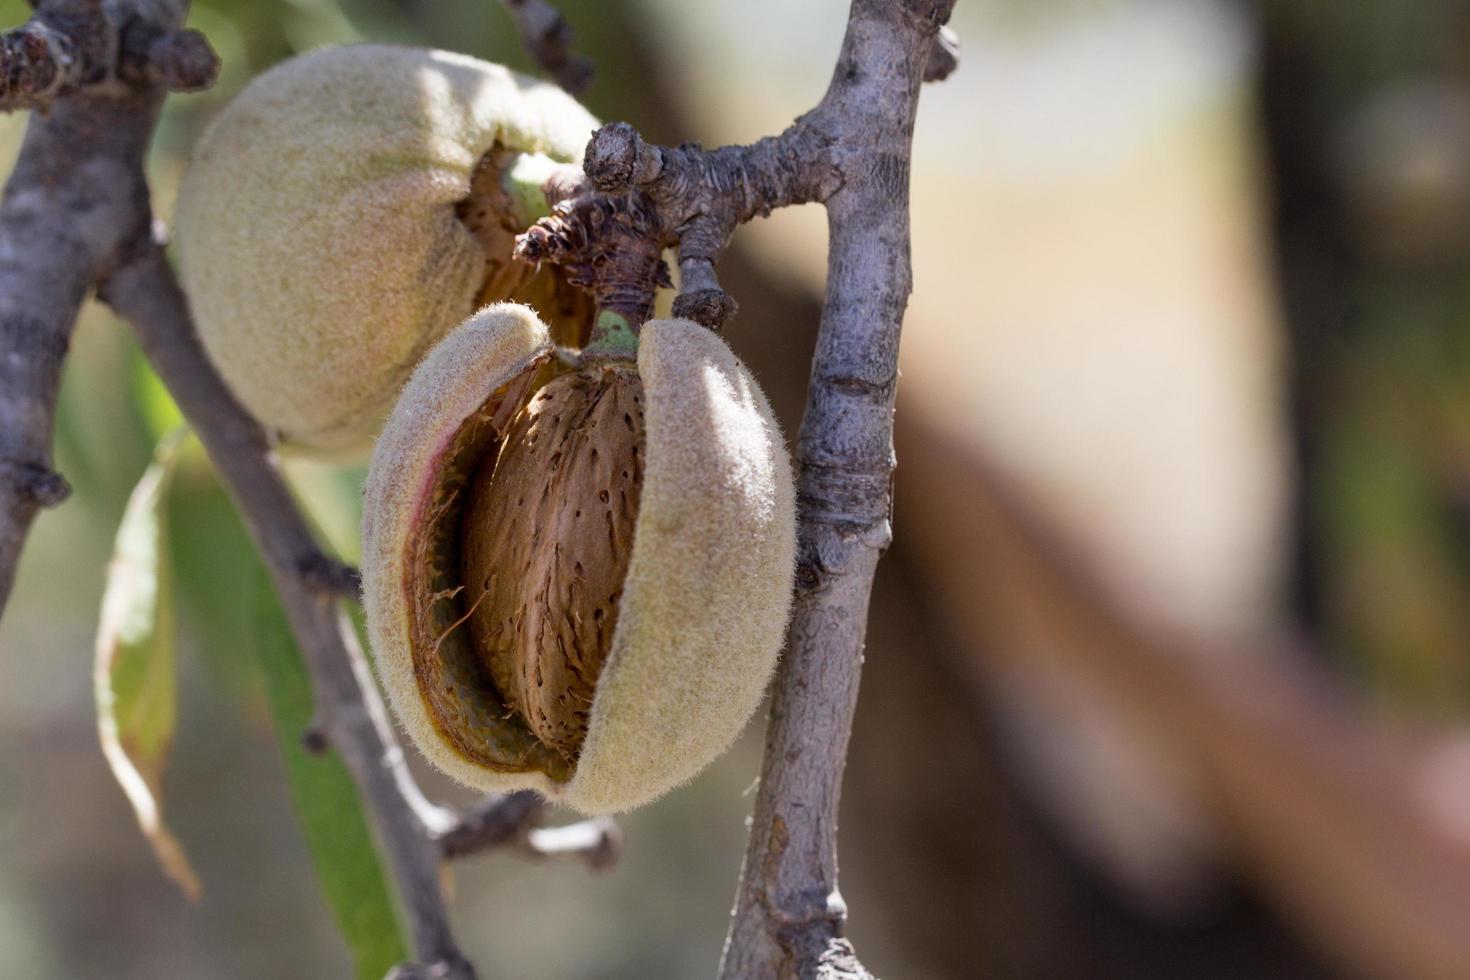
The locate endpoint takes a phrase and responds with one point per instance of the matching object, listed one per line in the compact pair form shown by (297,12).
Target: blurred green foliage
(1367,114)
(336,827)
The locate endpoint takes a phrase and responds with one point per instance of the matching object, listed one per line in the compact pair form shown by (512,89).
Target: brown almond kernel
(547,536)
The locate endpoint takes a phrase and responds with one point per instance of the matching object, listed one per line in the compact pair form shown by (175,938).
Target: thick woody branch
(789,915)
(548,37)
(76,195)
(850,153)
(701,196)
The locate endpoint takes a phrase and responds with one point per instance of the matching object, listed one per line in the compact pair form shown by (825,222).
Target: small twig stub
(546,34)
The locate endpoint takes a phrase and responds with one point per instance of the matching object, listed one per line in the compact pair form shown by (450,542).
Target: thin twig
(351,716)
(330,577)
(350,712)
(598,842)
(493,822)
(944,56)
(548,37)
(71,45)
(510,821)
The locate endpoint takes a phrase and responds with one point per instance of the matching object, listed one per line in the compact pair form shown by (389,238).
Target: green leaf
(331,496)
(328,805)
(134,673)
(153,400)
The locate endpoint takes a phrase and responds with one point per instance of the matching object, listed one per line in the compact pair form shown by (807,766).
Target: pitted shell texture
(317,227)
(548,533)
(704,598)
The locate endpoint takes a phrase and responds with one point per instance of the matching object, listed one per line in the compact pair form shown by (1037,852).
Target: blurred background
(1169,665)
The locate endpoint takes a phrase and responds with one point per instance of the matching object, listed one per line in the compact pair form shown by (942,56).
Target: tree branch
(789,915)
(493,822)
(510,821)
(850,153)
(350,712)
(701,196)
(548,37)
(598,842)
(72,200)
(72,45)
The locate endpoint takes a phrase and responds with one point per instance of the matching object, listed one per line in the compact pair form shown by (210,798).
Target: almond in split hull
(514,499)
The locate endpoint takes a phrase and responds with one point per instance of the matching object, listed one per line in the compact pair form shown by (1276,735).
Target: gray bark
(789,914)
(76,196)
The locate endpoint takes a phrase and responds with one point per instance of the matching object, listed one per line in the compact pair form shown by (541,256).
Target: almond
(343,213)
(548,532)
(577,569)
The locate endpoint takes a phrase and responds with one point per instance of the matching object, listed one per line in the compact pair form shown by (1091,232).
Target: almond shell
(317,232)
(708,589)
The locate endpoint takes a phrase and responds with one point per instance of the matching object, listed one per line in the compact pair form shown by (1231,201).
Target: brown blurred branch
(1336,818)
(548,37)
